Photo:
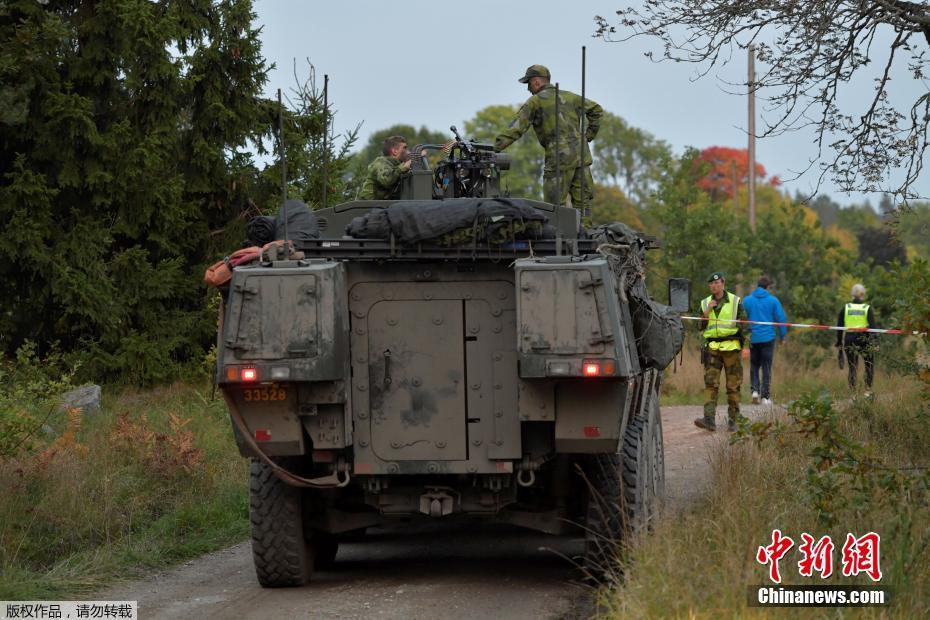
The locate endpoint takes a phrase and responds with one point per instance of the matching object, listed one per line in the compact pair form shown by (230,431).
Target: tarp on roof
(494,220)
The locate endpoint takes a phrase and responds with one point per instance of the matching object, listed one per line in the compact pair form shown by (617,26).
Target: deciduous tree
(628,158)
(727,171)
(809,52)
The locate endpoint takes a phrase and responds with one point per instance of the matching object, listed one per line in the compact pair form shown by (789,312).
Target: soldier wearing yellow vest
(723,345)
(857,315)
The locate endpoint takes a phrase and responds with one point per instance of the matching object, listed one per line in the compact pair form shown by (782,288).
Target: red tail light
(248,374)
(599,368)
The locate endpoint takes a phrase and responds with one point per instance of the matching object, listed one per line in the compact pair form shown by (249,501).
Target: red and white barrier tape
(811,326)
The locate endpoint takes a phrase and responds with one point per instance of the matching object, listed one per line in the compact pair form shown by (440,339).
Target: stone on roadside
(86,398)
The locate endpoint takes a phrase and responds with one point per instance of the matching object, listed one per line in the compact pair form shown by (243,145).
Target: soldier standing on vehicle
(567,155)
(723,344)
(857,315)
(386,172)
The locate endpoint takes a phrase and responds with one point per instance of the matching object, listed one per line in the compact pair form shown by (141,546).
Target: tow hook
(526,471)
(526,477)
(437,503)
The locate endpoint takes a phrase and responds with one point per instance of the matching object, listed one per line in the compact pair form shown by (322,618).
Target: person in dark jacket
(763,306)
(857,315)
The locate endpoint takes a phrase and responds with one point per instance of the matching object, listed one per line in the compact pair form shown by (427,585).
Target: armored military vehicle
(454,352)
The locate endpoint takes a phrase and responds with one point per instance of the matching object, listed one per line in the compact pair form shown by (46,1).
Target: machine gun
(469,169)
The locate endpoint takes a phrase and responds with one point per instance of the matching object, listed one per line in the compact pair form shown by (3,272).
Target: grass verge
(826,470)
(798,369)
(152,479)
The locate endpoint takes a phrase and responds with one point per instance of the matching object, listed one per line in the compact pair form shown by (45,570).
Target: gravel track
(458,569)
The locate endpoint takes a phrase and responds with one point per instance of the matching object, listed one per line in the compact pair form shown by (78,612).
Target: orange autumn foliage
(67,442)
(161,453)
(724,165)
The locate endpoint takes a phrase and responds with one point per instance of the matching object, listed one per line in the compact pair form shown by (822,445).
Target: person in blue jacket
(763,306)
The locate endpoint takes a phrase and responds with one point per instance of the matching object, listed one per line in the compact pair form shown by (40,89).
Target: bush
(30,389)
(152,478)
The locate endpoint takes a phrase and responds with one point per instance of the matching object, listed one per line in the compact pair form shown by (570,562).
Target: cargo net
(658,328)
(454,222)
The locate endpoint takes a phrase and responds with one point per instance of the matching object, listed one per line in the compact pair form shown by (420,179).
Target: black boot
(707,423)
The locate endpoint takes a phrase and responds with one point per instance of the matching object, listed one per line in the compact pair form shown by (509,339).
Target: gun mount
(470,169)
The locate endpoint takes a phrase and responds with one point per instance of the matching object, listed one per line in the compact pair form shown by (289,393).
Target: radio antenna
(584,142)
(325,137)
(558,159)
(283,165)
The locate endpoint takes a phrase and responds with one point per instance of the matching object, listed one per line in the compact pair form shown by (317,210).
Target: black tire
(658,461)
(283,556)
(603,518)
(624,490)
(643,469)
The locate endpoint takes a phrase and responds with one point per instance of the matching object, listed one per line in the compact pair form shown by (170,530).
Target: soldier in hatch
(568,160)
(386,172)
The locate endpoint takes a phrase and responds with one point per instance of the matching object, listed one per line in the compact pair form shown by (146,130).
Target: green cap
(717,275)
(534,71)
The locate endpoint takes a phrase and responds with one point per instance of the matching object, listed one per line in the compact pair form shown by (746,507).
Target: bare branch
(809,52)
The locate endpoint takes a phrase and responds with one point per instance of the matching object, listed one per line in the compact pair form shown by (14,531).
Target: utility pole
(735,186)
(752,138)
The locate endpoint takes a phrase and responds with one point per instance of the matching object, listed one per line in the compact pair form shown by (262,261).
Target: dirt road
(458,570)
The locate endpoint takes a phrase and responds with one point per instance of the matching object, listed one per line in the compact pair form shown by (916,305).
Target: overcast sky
(438,63)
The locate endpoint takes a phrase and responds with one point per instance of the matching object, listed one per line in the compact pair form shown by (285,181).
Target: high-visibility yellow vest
(856,315)
(722,325)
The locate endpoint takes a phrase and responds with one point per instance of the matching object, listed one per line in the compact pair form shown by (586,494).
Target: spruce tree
(126,133)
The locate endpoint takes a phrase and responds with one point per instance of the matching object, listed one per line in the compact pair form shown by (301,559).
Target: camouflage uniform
(731,363)
(727,357)
(383,179)
(573,153)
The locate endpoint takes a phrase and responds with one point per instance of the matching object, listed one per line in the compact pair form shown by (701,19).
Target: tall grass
(800,477)
(152,478)
(798,368)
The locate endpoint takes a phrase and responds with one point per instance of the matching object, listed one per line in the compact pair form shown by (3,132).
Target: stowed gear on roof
(491,220)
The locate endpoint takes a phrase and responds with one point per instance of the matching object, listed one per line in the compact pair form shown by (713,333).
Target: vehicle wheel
(282,554)
(643,456)
(624,490)
(658,461)
(603,518)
